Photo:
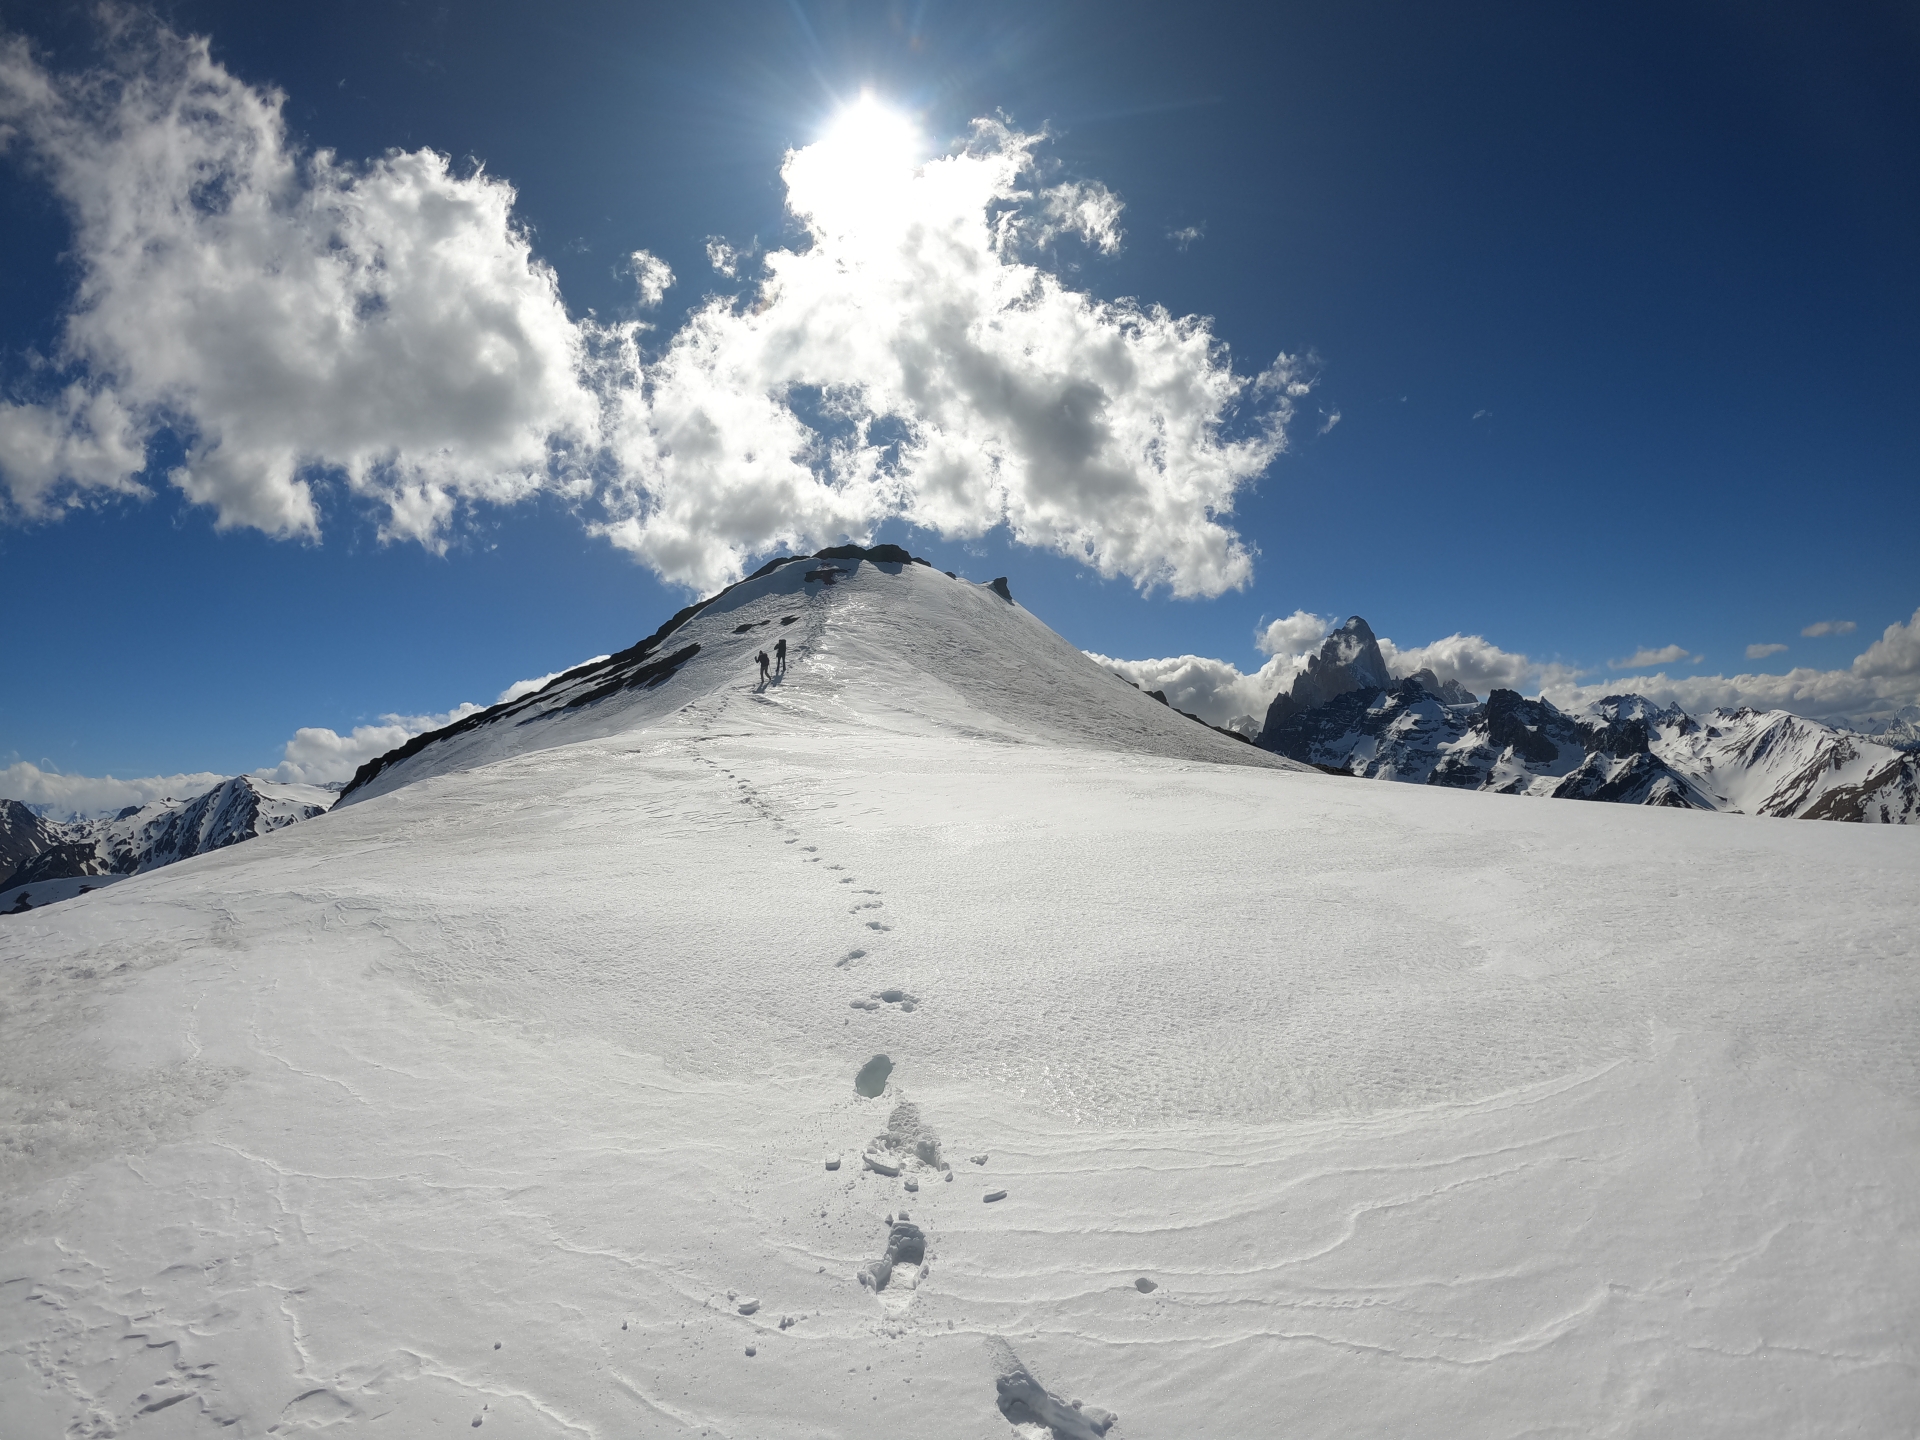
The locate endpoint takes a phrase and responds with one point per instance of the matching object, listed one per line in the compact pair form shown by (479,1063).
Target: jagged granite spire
(1349,660)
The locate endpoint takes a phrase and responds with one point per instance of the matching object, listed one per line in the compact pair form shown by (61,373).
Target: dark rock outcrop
(1349,659)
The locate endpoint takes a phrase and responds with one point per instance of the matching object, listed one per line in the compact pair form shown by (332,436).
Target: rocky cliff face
(1342,715)
(1349,660)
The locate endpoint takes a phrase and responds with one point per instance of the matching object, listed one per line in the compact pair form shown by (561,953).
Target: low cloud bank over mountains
(1883,679)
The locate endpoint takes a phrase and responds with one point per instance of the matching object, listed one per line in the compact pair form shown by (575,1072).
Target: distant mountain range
(43,860)
(1345,712)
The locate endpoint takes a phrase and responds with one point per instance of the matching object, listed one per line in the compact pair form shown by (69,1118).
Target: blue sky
(1615,308)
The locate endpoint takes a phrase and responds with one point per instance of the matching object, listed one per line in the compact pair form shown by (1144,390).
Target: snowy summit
(939,1034)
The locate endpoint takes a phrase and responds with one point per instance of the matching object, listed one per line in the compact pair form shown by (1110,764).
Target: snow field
(1422,1113)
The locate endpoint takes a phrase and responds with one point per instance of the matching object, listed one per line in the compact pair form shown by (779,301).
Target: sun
(851,178)
(871,137)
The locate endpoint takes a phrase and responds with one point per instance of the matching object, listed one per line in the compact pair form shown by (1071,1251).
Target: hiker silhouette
(762,659)
(780,654)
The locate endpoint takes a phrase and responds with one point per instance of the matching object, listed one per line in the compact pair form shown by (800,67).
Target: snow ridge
(876,637)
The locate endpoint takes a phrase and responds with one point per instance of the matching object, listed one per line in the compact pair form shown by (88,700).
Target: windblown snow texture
(1344,713)
(1188,1084)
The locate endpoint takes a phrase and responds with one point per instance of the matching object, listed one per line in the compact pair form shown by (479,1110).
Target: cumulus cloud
(1829,627)
(907,362)
(67,797)
(286,314)
(1880,681)
(305,324)
(1761,652)
(1293,635)
(1644,659)
(653,276)
(1479,665)
(317,755)
(55,455)
(1217,690)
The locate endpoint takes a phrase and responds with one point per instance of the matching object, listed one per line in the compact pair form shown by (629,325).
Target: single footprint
(876,925)
(849,958)
(1145,1286)
(1025,1401)
(871,1082)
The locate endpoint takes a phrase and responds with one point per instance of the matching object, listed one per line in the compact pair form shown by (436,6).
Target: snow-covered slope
(886,642)
(144,837)
(1340,715)
(508,1096)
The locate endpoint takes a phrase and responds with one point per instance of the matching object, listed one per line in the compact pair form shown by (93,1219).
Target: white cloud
(285,313)
(298,320)
(1881,679)
(317,756)
(539,682)
(653,276)
(1644,659)
(75,796)
(1829,627)
(1894,656)
(1085,208)
(907,363)
(1184,237)
(53,455)
(1215,690)
(1333,419)
(1293,635)
(723,257)
(1761,652)
(1478,664)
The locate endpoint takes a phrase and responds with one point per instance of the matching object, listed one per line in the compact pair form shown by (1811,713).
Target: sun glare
(850,178)
(871,138)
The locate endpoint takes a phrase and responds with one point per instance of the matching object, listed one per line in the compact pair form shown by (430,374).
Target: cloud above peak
(310,328)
